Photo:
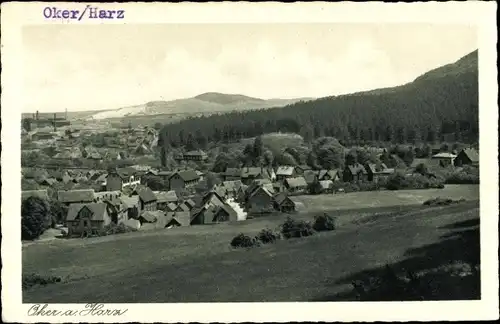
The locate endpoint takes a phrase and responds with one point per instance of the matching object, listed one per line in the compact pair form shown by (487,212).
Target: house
(171,207)
(231,187)
(190,203)
(182,208)
(212,198)
(116,209)
(260,201)
(80,196)
(354,172)
(375,172)
(283,203)
(196,155)
(294,185)
(310,176)
(43,194)
(147,199)
(231,174)
(44,181)
(249,174)
(332,175)
(42,136)
(214,214)
(183,179)
(416,162)
(118,179)
(164,198)
(59,175)
(443,159)
(174,219)
(326,186)
(150,216)
(284,172)
(468,156)
(87,219)
(300,169)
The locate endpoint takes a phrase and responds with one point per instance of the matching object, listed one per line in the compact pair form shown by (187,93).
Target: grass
(197,264)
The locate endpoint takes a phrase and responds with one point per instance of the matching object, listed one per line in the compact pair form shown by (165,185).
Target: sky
(93,67)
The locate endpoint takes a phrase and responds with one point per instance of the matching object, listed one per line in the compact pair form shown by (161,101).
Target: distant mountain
(203,103)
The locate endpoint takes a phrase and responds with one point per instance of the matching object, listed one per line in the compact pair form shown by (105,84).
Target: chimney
(55,122)
(66,113)
(37,115)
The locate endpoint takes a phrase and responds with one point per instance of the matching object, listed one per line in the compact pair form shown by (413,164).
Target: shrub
(33,279)
(244,241)
(442,201)
(35,218)
(268,236)
(324,223)
(292,228)
(113,228)
(467,175)
(400,181)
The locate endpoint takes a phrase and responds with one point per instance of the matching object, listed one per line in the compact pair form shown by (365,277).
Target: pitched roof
(331,173)
(145,194)
(183,218)
(190,203)
(98,211)
(107,194)
(304,167)
(166,196)
(472,154)
(356,168)
(69,196)
(280,197)
(184,207)
(251,172)
(235,172)
(130,202)
(310,175)
(259,189)
(444,155)
(171,206)
(296,182)
(285,170)
(196,153)
(152,216)
(269,187)
(187,175)
(25,194)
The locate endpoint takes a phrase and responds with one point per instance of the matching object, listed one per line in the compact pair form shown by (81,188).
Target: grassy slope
(197,264)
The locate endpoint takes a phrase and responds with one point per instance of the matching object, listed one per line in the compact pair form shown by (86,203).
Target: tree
(312,160)
(27,124)
(158,126)
(315,187)
(258,147)
(35,218)
(422,169)
(191,143)
(221,163)
(285,159)
(268,158)
(58,212)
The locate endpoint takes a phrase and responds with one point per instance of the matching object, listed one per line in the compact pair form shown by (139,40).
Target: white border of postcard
(14,15)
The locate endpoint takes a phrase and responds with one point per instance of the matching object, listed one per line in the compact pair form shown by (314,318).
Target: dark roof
(151,216)
(69,196)
(184,207)
(166,196)
(187,175)
(145,194)
(280,197)
(472,154)
(331,173)
(98,210)
(251,172)
(304,167)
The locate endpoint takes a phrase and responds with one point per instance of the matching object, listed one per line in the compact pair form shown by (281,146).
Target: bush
(268,236)
(324,223)
(113,228)
(442,201)
(244,241)
(35,218)
(33,279)
(467,175)
(400,181)
(292,228)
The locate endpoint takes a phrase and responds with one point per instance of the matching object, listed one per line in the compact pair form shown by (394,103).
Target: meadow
(197,264)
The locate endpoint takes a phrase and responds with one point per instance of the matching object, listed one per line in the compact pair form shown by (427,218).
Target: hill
(441,101)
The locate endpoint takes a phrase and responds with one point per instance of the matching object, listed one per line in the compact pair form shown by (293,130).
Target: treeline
(426,110)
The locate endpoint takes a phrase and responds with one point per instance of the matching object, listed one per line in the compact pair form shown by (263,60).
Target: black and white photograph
(247,162)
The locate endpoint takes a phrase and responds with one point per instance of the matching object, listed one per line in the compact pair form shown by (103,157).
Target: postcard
(249,162)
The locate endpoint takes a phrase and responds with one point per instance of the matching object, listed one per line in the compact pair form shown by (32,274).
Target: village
(146,196)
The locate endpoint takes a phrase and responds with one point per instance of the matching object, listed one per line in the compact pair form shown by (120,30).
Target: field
(196,264)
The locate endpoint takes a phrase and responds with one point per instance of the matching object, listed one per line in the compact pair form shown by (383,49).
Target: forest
(438,104)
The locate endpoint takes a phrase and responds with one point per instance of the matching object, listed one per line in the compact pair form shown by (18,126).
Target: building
(183,179)
(196,155)
(326,186)
(231,174)
(375,172)
(213,215)
(260,201)
(443,159)
(80,196)
(175,219)
(283,203)
(87,219)
(284,172)
(300,169)
(468,156)
(42,194)
(333,175)
(355,172)
(295,185)
(117,180)
(147,199)
(249,174)
(164,198)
